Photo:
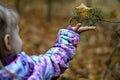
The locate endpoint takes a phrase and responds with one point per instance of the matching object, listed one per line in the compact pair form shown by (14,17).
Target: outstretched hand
(79,28)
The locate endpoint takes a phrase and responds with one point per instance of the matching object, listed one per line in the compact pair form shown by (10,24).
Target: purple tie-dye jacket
(46,66)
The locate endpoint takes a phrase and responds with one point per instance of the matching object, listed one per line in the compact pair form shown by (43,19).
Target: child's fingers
(86,28)
(77,26)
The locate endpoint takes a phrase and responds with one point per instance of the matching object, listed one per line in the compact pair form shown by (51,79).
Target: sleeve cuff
(70,28)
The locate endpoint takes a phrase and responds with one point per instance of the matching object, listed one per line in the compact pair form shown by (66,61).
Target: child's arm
(56,60)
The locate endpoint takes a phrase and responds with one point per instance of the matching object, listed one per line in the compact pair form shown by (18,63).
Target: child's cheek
(17,44)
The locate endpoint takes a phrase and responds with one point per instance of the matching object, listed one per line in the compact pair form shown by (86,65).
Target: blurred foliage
(98,52)
(49,7)
(87,16)
(118,0)
(62,1)
(118,32)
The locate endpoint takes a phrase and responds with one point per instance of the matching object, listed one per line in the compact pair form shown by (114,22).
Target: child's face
(16,42)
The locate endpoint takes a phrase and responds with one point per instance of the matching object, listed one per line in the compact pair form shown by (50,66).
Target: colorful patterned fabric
(45,66)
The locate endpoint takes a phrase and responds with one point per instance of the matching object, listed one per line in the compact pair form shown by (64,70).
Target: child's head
(10,41)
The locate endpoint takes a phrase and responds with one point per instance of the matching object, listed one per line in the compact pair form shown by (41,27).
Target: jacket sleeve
(56,60)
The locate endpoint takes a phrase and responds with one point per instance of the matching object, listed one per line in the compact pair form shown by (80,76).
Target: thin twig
(110,21)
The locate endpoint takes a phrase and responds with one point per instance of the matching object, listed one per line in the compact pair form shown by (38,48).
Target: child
(17,65)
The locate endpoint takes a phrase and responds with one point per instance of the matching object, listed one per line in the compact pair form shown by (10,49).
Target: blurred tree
(118,0)
(17,5)
(89,3)
(49,7)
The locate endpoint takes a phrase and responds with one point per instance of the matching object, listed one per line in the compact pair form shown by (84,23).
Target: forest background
(98,52)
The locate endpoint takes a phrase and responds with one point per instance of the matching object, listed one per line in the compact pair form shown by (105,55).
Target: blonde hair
(8,21)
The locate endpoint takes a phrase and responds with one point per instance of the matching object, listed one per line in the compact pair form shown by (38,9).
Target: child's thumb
(77,26)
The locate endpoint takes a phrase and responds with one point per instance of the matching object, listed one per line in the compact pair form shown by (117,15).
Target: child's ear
(7,42)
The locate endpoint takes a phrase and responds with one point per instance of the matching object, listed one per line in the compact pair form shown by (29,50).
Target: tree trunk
(89,3)
(49,10)
(17,5)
